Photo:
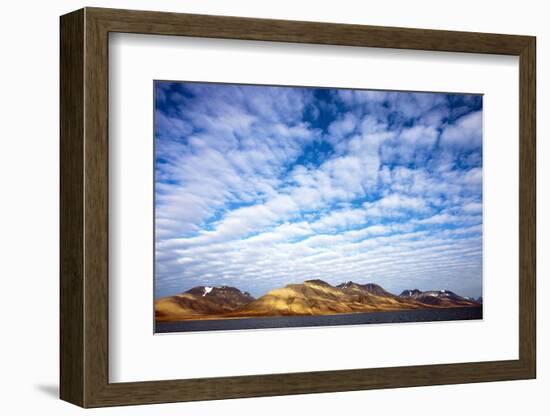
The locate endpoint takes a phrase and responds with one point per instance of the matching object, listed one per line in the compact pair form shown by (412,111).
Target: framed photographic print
(255,207)
(273,204)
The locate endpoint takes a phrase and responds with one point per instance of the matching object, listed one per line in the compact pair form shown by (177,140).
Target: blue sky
(258,187)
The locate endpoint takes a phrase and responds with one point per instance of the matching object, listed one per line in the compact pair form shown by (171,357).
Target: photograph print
(290,206)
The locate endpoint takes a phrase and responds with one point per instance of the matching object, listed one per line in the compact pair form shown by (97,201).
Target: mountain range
(312,297)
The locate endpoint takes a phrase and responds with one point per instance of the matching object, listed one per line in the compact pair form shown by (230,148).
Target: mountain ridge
(312,297)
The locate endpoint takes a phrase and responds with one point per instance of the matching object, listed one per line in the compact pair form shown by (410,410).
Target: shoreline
(335,319)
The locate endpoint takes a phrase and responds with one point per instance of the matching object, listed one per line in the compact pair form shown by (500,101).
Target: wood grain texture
(226,27)
(84,207)
(96,208)
(71,100)
(527,208)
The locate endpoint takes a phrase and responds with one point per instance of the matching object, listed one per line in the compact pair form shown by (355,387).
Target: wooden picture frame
(84,207)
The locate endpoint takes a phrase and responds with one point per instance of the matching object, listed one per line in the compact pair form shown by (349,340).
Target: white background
(135,60)
(29,217)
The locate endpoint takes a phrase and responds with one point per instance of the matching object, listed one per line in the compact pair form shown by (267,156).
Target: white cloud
(397,202)
(438,219)
(465,132)
(343,126)
(473,177)
(473,208)
(425,136)
(340,219)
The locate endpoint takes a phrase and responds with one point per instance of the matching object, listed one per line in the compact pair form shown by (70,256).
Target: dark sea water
(425,315)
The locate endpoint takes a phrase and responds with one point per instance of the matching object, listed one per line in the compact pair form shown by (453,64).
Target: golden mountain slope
(200,303)
(315,297)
